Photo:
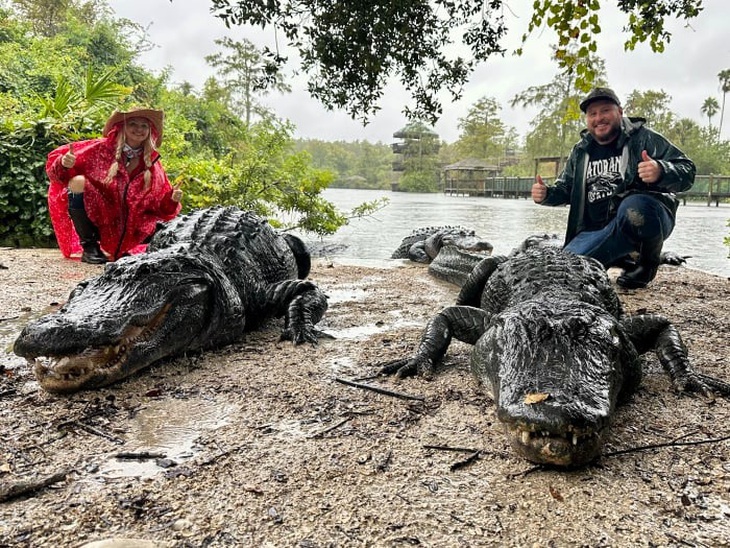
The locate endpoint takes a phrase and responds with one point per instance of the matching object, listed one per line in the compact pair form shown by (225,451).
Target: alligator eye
(78,290)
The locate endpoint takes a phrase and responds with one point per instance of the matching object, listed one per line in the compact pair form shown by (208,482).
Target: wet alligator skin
(552,344)
(205,279)
(423,244)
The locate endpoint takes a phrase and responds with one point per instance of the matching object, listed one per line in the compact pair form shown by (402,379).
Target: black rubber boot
(89,237)
(650,257)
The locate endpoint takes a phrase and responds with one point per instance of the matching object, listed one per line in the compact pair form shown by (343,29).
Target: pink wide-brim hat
(156,118)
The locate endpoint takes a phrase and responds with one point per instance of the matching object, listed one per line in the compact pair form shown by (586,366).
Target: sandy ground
(258,444)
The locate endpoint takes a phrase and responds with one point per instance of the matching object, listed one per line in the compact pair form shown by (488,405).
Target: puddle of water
(345,294)
(168,426)
(363,331)
(10,328)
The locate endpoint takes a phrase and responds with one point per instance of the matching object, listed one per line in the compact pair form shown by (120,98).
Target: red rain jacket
(124,212)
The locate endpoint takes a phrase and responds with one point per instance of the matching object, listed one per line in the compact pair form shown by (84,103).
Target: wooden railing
(707,188)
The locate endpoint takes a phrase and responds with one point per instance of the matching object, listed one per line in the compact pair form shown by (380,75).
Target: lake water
(505,223)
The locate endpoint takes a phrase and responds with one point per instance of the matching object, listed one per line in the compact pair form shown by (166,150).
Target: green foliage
(23,186)
(577,24)
(653,106)
(709,108)
(483,135)
(245,74)
(419,181)
(61,86)
(724,77)
(357,164)
(559,121)
(417,153)
(351,49)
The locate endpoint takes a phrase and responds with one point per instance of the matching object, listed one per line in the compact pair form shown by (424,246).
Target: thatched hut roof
(471,164)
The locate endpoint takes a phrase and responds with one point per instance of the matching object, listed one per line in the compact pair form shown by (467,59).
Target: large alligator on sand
(423,244)
(552,343)
(205,279)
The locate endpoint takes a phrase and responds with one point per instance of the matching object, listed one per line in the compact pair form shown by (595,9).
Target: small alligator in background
(205,279)
(424,244)
(552,343)
(454,265)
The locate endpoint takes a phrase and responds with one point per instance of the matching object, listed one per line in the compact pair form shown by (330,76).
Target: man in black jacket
(620,181)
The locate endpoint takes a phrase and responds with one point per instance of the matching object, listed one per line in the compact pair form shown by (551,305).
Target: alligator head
(465,240)
(557,369)
(139,310)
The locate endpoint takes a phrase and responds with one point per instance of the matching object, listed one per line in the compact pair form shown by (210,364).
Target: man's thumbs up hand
(69,159)
(649,170)
(539,190)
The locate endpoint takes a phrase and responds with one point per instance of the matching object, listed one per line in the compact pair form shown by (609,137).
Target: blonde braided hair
(149,147)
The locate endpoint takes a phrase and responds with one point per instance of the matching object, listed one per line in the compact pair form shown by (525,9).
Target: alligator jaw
(569,449)
(96,367)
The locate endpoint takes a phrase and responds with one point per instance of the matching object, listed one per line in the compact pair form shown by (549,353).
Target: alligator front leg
(302,316)
(471,291)
(302,304)
(653,331)
(465,323)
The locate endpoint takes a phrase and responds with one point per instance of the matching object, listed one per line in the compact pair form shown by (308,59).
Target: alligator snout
(550,430)
(567,450)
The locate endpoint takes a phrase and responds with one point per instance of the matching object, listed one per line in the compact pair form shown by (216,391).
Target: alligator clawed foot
(404,367)
(710,386)
(407,367)
(312,336)
(706,385)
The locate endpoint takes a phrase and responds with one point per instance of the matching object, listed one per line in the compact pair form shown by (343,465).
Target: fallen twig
(379,390)
(19,488)
(666,444)
(466,462)
(675,538)
(535,468)
(92,430)
(449,448)
(140,455)
(330,428)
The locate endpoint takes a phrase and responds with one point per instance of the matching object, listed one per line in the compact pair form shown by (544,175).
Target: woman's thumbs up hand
(68,160)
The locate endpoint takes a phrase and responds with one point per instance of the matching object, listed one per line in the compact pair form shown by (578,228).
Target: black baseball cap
(598,94)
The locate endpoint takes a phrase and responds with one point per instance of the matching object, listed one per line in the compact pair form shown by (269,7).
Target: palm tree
(724,76)
(709,109)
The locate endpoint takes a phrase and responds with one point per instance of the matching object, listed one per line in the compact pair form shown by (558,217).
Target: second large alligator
(553,345)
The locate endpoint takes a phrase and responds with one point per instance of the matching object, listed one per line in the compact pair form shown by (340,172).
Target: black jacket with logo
(678,172)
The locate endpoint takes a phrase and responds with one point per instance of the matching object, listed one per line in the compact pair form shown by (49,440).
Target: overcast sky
(184,32)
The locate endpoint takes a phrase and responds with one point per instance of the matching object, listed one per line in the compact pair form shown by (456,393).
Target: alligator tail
(301,254)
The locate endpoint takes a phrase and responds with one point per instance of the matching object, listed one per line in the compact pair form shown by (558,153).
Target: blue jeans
(639,218)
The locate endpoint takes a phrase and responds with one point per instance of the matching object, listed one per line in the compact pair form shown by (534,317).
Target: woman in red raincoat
(107,195)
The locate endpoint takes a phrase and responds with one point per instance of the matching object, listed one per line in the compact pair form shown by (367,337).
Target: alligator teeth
(525,437)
